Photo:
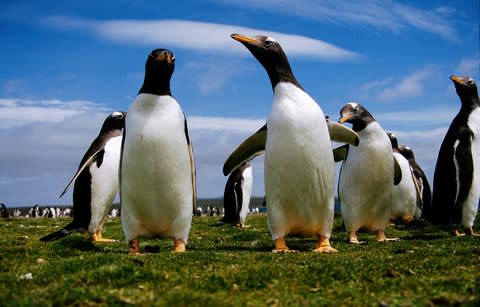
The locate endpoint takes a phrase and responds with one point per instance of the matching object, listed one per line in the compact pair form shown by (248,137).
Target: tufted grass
(226,266)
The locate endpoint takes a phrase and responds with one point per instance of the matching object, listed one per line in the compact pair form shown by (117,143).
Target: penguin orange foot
(469,231)
(97,237)
(382,238)
(324,246)
(353,238)
(133,247)
(178,246)
(281,246)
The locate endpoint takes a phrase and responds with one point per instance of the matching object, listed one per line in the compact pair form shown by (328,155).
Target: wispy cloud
(19,112)
(200,36)
(389,15)
(469,66)
(391,88)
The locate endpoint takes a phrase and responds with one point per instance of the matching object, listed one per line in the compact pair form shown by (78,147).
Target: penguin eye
(268,43)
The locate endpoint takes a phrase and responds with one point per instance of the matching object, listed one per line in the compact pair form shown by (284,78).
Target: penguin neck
(469,103)
(282,73)
(152,84)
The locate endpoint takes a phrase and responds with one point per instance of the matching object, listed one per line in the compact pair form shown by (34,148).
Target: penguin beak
(246,40)
(345,118)
(458,80)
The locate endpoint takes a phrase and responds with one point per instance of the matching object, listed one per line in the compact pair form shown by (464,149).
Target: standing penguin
(299,168)
(157,170)
(406,194)
(456,181)
(366,176)
(421,181)
(96,182)
(236,196)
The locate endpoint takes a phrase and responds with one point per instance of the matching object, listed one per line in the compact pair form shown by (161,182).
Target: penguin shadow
(78,243)
(421,229)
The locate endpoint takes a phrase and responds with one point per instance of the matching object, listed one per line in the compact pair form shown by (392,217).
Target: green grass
(226,266)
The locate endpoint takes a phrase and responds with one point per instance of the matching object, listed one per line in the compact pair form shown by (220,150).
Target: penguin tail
(65,231)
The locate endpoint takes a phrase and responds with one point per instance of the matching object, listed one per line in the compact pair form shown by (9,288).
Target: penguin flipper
(193,169)
(417,183)
(60,233)
(397,174)
(89,161)
(342,134)
(340,153)
(463,158)
(253,146)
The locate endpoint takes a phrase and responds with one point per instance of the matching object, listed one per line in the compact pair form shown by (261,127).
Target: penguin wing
(340,153)
(397,174)
(193,169)
(239,195)
(417,182)
(464,165)
(342,134)
(86,161)
(253,146)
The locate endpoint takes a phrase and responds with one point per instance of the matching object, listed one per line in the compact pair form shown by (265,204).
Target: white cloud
(20,112)
(200,36)
(391,88)
(388,15)
(469,66)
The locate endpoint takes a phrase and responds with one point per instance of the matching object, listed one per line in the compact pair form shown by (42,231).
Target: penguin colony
(153,166)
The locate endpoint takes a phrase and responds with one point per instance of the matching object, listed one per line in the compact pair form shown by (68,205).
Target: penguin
(367,176)
(406,194)
(421,181)
(157,169)
(299,174)
(95,182)
(4,213)
(456,180)
(236,196)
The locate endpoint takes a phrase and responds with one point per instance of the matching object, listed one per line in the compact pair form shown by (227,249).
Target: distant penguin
(367,176)
(299,168)
(456,181)
(157,172)
(421,181)
(4,213)
(236,196)
(95,182)
(406,194)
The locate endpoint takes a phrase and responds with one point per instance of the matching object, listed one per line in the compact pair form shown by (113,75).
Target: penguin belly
(470,206)
(404,194)
(104,183)
(366,181)
(156,182)
(247,193)
(299,167)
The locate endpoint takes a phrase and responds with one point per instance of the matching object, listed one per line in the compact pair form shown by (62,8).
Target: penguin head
(393,140)
(407,152)
(465,87)
(159,68)
(355,114)
(115,121)
(271,55)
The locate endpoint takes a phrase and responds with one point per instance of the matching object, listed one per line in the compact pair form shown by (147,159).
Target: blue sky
(66,65)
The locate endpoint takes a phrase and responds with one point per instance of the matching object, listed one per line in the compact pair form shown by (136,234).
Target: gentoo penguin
(366,176)
(456,181)
(4,213)
(95,182)
(157,170)
(420,179)
(299,172)
(406,195)
(236,196)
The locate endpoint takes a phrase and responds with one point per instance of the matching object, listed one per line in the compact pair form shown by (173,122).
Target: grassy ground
(225,266)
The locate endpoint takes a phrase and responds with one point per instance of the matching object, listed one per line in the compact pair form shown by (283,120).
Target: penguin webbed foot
(353,238)
(178,246)
(324,246)
(97,237)
(281,247)
(382,238)
(469,231)
(134,247)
